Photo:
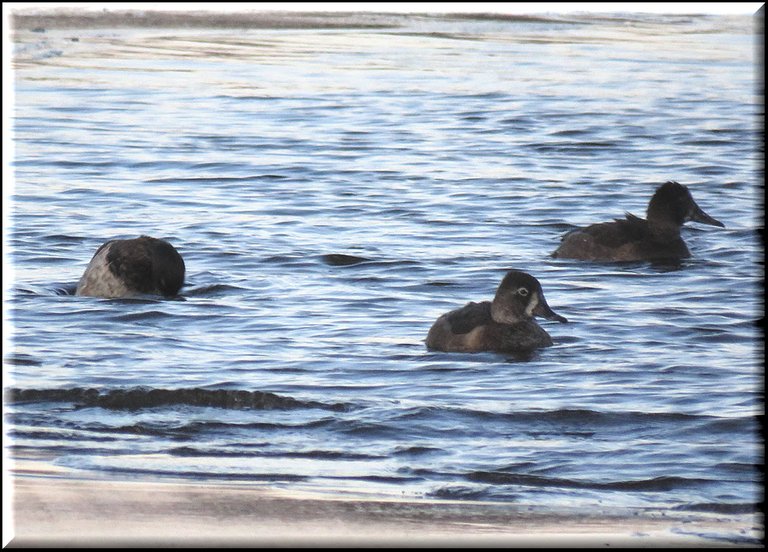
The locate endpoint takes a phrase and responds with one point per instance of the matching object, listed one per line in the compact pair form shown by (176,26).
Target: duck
(504,325)
(657,237)
(131,267)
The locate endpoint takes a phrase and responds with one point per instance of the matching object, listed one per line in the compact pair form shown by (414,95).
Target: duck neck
(503,314)
(663,227)
(664,220)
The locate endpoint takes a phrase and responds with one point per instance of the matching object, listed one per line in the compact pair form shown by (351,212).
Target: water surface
(333,191)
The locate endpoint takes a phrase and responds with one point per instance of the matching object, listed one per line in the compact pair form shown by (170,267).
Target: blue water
(435,153)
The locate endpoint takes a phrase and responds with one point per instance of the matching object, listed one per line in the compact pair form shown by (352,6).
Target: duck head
(672,205)
(520,297)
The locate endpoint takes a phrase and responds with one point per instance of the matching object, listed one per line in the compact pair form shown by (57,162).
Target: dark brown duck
(656,237)
(504,325)
(126,268)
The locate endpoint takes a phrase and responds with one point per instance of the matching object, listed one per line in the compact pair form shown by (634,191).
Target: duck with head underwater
(132,267)
(504,325)
(657,237)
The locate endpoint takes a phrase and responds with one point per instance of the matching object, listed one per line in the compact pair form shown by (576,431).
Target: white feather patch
(532,304)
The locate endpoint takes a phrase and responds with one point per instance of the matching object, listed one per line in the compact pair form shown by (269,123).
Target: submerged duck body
(505,324)
(126,268)
(656,237)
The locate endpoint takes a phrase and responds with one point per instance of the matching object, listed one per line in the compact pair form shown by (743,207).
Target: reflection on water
(333,189)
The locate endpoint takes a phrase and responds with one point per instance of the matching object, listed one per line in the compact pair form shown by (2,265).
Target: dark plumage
(634,239)
(124,268)
(505,324)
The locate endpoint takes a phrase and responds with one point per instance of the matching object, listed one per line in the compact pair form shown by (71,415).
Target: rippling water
(334,190)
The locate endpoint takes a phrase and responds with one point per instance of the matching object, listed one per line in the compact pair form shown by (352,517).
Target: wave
(656,484)
(143,397)
(561,415)
(207,475)
(211,290)
(49,290)
(584,423)
(720,508)
(142,316)
(21,359)
(341,259)
(196,452)
(458,492)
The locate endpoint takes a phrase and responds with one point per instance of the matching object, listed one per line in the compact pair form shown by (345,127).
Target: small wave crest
(141,397)
(199,452)
(579,416)
(341,259)
(656,484)
(212,290)
(720,508)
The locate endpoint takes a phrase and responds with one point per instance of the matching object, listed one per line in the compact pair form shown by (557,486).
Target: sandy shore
(57,509)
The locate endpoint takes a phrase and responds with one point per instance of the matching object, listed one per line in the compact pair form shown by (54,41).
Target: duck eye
(522,292)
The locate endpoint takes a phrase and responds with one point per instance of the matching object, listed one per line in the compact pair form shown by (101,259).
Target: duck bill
(700,216)
(543,310)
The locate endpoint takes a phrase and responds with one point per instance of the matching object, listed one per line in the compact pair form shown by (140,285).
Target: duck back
(628,239)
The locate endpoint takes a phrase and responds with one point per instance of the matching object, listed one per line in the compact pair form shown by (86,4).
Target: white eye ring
(523,292)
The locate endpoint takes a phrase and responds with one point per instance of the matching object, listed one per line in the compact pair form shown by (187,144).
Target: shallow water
(332,192)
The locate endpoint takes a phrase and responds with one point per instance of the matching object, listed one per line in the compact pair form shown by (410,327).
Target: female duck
(504,325)
(636,239)
(125,268)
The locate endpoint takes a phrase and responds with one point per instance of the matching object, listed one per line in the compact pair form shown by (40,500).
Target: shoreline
(54,507)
